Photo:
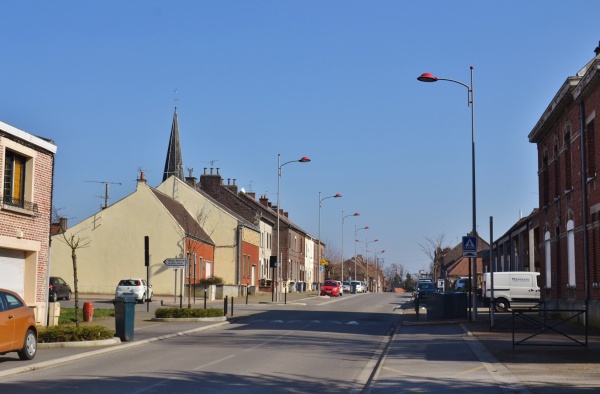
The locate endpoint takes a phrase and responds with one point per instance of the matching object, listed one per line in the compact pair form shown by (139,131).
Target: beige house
(115,243)
(223,226)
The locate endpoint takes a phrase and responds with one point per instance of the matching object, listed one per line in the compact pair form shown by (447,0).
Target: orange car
(17,326)
(331,288)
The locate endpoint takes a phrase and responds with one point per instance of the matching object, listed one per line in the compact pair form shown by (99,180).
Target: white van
(517,289)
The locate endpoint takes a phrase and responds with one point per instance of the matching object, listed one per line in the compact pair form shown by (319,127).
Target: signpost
(176,264)
(469,247)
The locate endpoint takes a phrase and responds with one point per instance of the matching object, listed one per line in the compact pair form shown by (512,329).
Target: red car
(331,288)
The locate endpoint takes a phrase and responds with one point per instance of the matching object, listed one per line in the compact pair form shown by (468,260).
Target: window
(590,149)
(556,173)
(568,163)
(547,259)
(571,252)
(14,179)
(545,180)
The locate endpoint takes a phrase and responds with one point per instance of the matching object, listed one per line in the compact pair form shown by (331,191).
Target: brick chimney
(231,186)
(252,195)
(210,182)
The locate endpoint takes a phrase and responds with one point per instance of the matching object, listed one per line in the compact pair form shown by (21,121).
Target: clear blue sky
(331,80)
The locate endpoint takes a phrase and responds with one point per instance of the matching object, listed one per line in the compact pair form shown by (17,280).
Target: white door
(12,270)
(208,269)
(253,277)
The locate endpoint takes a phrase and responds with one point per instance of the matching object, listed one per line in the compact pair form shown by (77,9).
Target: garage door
(12,266)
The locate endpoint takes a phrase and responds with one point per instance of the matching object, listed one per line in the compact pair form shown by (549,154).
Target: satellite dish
(243,190)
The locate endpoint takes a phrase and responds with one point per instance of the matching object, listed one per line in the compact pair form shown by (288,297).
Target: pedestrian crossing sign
(469,246)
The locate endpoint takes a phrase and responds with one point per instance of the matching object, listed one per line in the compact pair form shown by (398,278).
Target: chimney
(252,195)
(264,200)
(63,223)
(232,187)
(210,182)
(191,180)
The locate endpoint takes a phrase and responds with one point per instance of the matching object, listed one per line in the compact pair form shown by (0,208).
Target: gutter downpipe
(584,203)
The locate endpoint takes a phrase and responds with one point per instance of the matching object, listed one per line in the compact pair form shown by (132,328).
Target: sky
(335,81)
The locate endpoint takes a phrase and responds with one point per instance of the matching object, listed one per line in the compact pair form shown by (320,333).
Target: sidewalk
(557,368)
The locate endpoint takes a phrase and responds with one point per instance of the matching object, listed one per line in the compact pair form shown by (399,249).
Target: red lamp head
(304,160)
(427,77)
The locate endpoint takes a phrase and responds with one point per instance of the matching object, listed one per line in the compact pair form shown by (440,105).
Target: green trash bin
(124,317)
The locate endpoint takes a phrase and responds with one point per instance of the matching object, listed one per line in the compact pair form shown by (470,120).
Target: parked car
(347,287)
(341,287)
(134,287)
(18,332)
(462,284)
(58,289)
(331,288)
(359,286)
(424,289)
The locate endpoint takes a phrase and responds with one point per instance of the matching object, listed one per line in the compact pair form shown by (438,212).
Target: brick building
(25,214)
(569,191)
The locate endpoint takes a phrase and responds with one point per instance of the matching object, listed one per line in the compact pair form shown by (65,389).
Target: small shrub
(215,280)
(72,333)
(187,313)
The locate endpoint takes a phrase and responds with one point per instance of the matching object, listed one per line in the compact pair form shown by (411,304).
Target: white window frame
(571,253)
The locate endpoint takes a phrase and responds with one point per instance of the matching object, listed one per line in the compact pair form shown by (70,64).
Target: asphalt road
(327,345)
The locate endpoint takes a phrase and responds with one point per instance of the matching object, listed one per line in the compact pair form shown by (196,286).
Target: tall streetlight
(367,256)
(356,230)
(427,77)
(377,271)
(317,276)
(304,159)
(344,217)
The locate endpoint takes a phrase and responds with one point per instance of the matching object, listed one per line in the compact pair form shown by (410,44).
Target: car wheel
(143,299)
(29,346)
(150,298)
(68,296)
(54,297)
(501,305)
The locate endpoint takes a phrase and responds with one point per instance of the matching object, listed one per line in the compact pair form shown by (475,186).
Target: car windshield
(330,283)
(425,285)
(346,283)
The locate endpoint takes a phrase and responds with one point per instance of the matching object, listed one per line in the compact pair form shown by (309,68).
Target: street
(354,343)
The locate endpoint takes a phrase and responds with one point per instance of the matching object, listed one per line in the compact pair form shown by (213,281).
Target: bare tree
(74,242)
(433,248)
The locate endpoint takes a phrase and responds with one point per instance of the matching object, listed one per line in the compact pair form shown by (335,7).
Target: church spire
(174,165)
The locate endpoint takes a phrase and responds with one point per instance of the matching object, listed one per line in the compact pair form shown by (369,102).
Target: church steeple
(174,165)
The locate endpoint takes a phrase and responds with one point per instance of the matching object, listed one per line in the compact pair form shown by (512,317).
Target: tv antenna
(106,183)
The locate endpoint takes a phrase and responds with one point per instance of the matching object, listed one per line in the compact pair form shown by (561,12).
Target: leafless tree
(74,242)
(433,248)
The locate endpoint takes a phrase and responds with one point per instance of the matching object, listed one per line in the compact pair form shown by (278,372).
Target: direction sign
(175,263)
(469,246)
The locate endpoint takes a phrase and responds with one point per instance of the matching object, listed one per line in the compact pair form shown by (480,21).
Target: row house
(113,244)
(516,250)
(569,193)
(237,241)
(25,215)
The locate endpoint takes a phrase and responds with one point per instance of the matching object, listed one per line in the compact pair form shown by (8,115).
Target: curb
(100,342)
(189,319)
(50,363)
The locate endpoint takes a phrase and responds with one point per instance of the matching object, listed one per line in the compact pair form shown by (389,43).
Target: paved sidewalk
(531,367)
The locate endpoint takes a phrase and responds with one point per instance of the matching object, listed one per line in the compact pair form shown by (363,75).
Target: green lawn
(67,315)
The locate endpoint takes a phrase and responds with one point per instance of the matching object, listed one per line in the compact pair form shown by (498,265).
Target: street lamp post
(367,257)
(344,217)
(356,230)
(304,159)
(377,271)
(427,77)
(318,276)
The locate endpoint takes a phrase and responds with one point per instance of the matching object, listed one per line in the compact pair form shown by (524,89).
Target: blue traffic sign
(469,246)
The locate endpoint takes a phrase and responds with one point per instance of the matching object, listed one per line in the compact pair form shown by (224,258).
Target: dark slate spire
(174,165)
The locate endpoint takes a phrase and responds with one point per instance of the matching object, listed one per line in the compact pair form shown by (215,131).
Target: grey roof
(174,164)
